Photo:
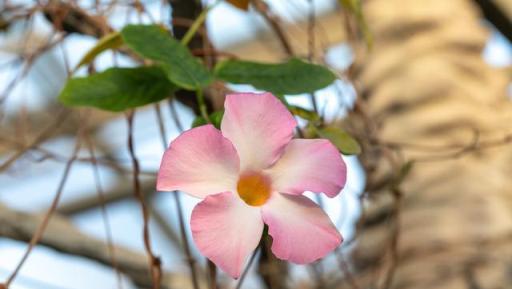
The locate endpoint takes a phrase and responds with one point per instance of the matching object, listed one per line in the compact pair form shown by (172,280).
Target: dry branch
(62,236)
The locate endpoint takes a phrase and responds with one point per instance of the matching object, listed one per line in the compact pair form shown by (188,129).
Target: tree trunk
(434,100)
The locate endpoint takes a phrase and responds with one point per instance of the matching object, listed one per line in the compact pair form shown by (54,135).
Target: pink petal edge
(301,232)
(259,126)
(309,165)
(226,230)
(199,162)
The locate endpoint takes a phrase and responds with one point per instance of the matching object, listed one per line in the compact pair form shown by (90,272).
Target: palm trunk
(433,99)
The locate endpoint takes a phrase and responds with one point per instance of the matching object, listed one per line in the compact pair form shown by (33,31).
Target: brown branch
(72,19)
(311,45)
(272,271)
(395,237)
(167,228)
(190,259)
(342,264)
(154,262)
(212,274)
(42,226)
(41,137)
(275,24)
(61,235)
(121,192)
(104,213)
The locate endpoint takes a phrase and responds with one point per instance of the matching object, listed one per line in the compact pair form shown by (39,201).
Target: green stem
(202,105)
(197,23)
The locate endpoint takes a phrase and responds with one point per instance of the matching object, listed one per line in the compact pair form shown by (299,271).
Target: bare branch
(62,236)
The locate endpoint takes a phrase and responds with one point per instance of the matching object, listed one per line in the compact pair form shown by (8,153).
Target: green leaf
(342,140)
(109,41)
(153,42)
(303,113)
(117,89)
(292,77)
(215,118)
(199,121)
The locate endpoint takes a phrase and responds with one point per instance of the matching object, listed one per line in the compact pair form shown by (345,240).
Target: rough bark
(425,82)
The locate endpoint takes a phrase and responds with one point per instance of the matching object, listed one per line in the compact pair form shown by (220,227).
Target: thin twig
(395,237)
(154,262)
(346,272)
(311,45)
(161,125)
(246,270)
(316,272)
(174,115)
(190,259)
(166,227)
(104,213)
(41,137)
(275,24)
(99,188)
(42,226)
(29,62)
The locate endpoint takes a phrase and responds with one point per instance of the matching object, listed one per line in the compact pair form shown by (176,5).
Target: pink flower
(252,173)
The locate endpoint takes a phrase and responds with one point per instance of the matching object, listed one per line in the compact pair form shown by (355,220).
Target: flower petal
(301,232)
(309,165)
(226,230)
(259,126)
(199,162)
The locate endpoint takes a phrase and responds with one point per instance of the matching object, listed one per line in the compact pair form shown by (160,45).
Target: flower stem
(197,23)
(190,259)
(202,105)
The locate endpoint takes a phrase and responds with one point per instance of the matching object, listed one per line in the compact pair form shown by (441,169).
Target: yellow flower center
(254,188)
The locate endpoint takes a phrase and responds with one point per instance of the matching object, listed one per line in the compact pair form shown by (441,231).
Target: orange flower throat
(254,188)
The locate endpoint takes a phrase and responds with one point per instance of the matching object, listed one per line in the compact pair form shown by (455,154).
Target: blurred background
(424,87)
